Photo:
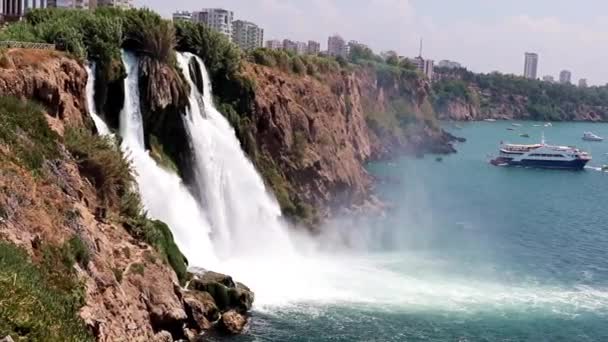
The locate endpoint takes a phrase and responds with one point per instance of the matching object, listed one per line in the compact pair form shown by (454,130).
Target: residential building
(354,43)
(449,64)
(336,46)
(549,79)
(301,48)
(218,19)
(124,4)
(13,10)
(182,16)
(290,45)
(429,68)
(565,77)
(313,47)
(582,83)
(274,44)
(247,35)
(530,65)
(79,4)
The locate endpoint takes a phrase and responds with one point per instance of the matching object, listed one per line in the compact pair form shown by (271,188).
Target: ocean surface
(466,252)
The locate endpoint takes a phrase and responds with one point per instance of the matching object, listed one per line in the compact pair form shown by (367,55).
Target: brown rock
(201,309)
(233,322)
(163,336)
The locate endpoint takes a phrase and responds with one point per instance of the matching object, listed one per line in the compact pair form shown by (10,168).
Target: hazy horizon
(482,35)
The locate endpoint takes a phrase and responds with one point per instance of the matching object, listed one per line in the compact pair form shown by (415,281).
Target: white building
(565,77)
(247,35)
(290,45)
(425,66)
(182,16)
(301,48)
(336,46)
(218,19)
(549,79)
(274,44)
(530,65)
(14,10)
(79,4)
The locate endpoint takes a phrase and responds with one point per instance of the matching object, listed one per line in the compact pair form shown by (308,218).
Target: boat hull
(576,164)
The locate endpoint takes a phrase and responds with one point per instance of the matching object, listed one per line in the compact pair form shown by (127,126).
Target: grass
(39,302)
(24,129)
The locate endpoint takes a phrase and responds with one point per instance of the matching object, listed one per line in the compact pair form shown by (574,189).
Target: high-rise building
(218,19)
(301,48)
(549,79)
(531,65)
(336,46)
(182,16)
(313,47)
(14,10)
(246,35)
(274,44)
(582,83)
(429,68)
(124,4)
(565,77)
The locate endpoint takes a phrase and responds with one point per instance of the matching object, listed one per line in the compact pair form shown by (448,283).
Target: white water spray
(164,195)
(101,126)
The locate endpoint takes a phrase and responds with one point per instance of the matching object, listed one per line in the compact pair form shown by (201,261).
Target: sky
(483,35)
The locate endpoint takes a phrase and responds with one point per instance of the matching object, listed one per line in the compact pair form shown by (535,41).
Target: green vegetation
(289,62)
(138,269)
(542,100)
(23,127)
(101,161)
(40,301)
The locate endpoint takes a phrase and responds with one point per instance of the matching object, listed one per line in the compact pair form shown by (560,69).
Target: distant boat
(516,124)
(524,135)
(548,124)
(588,136)
(510,129)
(490,120)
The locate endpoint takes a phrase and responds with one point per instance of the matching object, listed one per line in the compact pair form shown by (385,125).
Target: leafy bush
(148,34)
(24,128)
(39,302)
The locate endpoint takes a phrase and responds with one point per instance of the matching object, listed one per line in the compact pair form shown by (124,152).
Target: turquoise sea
(470,251)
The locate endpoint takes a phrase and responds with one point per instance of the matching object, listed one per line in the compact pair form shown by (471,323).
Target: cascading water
(101,126)
(251,243)
(163,193)
(246,219)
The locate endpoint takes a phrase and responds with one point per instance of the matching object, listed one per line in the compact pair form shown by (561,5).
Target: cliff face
(472,96)
(316,130)
(63,203)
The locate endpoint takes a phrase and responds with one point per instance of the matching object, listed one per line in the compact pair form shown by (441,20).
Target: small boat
(490,120)
(524,135)
(510,129)
(516,124)
(548,124)
(588,136)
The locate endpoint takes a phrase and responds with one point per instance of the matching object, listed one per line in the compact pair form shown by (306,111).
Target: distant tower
(531,65)
(420,51)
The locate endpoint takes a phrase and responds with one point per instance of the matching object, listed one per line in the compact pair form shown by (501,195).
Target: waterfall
(163,193)
(245,217)
(101,126)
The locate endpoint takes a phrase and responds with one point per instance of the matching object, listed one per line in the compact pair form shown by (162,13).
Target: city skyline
(497,34)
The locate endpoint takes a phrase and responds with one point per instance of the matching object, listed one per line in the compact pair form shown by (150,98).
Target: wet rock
(225,292)
(201,309)
(233,322)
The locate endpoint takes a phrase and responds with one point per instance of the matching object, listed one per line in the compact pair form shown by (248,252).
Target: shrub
(24,128)
(102,162)
(79,251)
(148,34)
(39,302)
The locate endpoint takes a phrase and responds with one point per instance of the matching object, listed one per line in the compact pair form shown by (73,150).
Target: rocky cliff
(81,261)
(318,131)
(463,95)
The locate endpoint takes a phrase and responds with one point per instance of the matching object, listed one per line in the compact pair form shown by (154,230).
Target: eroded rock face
(226,294)
(233,322)
(50,78)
